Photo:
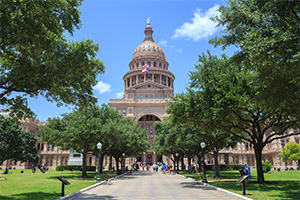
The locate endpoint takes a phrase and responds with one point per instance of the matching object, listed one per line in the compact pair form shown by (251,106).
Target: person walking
(163,167)
(247,171)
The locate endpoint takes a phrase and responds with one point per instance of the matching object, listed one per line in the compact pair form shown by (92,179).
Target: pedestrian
(163,168)
(247,171)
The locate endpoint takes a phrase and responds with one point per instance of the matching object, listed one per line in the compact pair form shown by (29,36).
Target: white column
(167,80)
(160,79)
(136,79)
(130,81)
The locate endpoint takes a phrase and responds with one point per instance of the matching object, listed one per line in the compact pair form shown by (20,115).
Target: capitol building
(148,87)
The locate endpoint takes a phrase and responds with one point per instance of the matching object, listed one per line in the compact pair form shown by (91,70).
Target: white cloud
(200,27)
(120,94)
(102,87)
(164,43)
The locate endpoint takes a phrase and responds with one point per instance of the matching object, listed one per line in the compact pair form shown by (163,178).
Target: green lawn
(285,184)
(43,186)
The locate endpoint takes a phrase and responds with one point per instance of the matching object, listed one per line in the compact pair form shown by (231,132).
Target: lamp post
(177,154)
(202,144)
(284,158)
(144,157)
(123,163)
(99,145)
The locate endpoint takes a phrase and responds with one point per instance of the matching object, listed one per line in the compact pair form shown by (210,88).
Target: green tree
(215,139)
(227,96)
(291,152)
(268,40)
(36,59)
(77,131)
(16,144)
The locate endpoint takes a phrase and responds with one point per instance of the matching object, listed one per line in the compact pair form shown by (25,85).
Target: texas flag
(145,69)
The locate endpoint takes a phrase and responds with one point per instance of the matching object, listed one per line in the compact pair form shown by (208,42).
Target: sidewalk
(149,185)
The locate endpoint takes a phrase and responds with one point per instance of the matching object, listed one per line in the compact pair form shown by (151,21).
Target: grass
(43,186)
(284,184)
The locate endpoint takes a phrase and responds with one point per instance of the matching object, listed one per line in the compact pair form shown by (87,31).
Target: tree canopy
(267,36)
(82,129)
(291,152)
(225,95)
(16,144)
(36,59)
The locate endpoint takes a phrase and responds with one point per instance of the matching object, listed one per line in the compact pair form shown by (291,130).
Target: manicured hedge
(74,167)
(225,167)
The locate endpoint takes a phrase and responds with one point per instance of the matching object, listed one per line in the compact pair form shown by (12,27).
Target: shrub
(225,167)
(74,167)
(267,166)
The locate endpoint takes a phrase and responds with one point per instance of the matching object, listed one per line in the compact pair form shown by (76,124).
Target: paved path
(149,185)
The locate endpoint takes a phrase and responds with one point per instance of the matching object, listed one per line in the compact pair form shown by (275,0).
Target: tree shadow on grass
(32,195)
(288,190)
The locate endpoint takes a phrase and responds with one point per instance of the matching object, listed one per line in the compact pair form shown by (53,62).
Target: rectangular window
(52,148)
(297,141)
(48,148)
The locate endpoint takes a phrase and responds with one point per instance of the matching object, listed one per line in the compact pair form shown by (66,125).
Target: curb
(216,188)
(90,187)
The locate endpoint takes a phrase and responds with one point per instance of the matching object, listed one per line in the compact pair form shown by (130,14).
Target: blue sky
(181,28)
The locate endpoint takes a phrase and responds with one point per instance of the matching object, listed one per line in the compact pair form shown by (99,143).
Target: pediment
(150,85)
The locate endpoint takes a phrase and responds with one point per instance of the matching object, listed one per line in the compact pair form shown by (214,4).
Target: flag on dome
(145,69)
(145,66)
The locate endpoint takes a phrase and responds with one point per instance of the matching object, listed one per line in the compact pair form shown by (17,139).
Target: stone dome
(148,48)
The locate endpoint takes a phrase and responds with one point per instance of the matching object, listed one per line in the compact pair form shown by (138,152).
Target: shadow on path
(195,186)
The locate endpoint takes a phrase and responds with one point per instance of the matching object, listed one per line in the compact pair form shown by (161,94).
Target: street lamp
(177,154)
(99,145)
(123,163)
(284,158)
(202,144)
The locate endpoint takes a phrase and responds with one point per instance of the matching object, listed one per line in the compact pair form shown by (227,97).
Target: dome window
(139,49)
(141,96)
(157,48)
(153,47)
(146,96)
(149,47)
(143,48)
(151,96)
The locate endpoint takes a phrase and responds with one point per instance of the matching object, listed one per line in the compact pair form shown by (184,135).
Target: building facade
(145,99)
(146,95)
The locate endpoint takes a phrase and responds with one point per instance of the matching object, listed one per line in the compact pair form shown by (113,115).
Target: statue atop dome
(148,21)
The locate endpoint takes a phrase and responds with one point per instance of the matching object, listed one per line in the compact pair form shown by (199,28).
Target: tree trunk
(216,162)
(182,162)
(117,163)
(258,157)
(84,155)
(110,163)
(189,161)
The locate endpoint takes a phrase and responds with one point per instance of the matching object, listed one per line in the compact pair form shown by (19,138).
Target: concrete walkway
(149,185)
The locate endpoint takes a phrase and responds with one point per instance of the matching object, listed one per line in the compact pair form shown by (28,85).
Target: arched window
(137,65)
(159,65)
(154,64)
